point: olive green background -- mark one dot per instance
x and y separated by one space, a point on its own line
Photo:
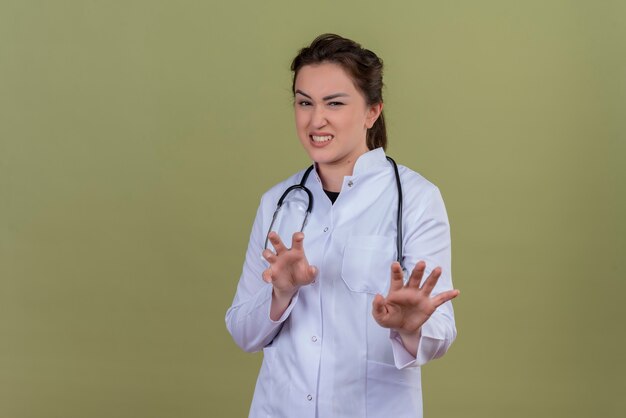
137 136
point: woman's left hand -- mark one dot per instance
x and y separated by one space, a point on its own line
407 307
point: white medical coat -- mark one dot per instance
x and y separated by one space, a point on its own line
326 356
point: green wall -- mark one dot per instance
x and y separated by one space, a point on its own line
137 136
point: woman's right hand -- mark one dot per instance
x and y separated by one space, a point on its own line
288 271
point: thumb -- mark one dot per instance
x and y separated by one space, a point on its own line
378 306
267 275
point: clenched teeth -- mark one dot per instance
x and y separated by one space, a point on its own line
324 138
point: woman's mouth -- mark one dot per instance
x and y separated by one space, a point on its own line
321 138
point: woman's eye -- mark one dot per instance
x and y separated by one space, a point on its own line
304 103
335 104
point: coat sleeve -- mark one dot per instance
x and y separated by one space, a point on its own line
427 238
248 318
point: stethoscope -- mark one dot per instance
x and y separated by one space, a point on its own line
301 186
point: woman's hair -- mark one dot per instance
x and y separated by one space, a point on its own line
362 65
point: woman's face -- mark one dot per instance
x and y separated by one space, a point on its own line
332 116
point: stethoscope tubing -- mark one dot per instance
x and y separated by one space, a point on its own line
309 209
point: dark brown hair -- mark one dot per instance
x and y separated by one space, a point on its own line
363 66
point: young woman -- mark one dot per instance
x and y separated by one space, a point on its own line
343 327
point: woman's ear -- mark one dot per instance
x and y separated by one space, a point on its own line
373 112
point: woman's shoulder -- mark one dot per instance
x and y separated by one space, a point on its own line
420 195
414 182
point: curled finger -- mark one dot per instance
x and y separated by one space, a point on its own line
444 297
397 277
267 275
416 275
378 307
312 272
431 280
297 240
277 242
269 256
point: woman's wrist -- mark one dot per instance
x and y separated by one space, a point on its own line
280 302
282 295
408 334
410 339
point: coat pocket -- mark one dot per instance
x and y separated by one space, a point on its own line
366 263
392 392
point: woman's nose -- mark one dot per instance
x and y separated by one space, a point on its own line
319 117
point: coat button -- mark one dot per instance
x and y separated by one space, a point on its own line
314 338
350 183
309 397
326 229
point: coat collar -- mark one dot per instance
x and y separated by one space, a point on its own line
365 163
369 160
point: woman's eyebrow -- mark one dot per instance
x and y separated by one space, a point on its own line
334 96
330 97
303 93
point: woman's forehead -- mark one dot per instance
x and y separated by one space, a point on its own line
324 79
